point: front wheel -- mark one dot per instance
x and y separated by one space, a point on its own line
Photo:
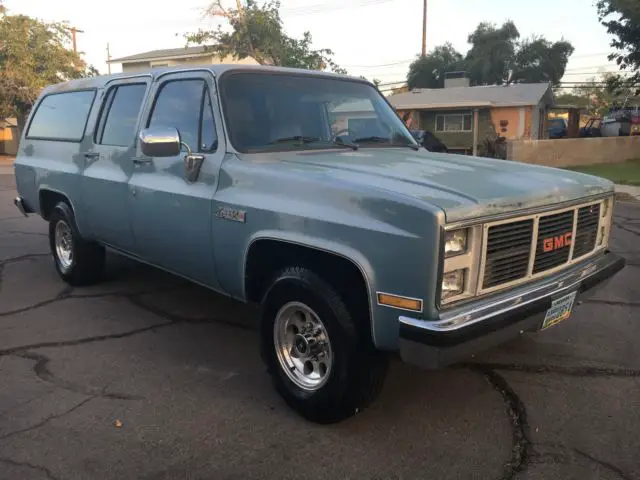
321 361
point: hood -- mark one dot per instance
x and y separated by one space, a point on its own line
462 186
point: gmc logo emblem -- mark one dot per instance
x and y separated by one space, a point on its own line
554 243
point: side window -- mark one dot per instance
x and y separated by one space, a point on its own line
208 135
62 116
178 105
120 111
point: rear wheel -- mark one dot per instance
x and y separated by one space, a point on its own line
320 358
77 261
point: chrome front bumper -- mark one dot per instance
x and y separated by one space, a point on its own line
20 205
481 324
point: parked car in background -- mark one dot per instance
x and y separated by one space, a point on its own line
557 127
355 243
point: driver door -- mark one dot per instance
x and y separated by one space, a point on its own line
171 214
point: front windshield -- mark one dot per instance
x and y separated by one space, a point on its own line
269 112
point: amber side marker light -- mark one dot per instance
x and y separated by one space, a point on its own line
406 303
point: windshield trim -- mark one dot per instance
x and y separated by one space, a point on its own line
222 100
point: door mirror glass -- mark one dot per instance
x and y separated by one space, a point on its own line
160 142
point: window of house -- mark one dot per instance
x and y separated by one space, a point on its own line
454 122
62 116
119 117
186 106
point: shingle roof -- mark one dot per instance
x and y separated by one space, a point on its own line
166 53
490 96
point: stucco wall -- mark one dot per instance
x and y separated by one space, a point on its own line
457 140
515 121
574 151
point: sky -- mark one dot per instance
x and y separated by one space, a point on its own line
374 38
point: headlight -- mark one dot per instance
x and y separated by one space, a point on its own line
455 242
452 283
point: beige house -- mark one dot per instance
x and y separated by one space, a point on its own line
175 56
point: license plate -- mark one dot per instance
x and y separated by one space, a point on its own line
560 310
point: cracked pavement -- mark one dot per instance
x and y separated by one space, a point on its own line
148 376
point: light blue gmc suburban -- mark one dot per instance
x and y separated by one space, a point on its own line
305 193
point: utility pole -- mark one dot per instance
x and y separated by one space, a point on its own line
108 59
424 29
74 30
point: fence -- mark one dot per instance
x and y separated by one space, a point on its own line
569 152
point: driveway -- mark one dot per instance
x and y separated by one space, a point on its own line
148 376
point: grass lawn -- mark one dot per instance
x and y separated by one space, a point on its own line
627 173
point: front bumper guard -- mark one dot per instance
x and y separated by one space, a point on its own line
468 329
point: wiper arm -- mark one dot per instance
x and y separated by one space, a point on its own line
342 143
297 138
376 139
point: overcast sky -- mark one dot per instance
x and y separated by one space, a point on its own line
374 38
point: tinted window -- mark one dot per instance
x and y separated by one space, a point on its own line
62 116
178 105
274 112
121 108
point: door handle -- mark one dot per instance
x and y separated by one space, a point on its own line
91 154
142 160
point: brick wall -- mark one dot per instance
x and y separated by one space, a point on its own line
568 152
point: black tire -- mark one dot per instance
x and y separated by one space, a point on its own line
88 258
358 370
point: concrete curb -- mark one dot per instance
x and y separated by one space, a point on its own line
627 193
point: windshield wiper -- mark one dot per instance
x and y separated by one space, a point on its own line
376 139
297 138
307 139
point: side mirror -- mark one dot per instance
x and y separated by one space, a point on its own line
160 142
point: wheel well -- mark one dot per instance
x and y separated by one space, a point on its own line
266 257
48 200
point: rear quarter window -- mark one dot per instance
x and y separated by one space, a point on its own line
62 116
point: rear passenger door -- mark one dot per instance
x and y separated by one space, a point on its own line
109 163
171 216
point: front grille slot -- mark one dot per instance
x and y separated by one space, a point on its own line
508 252
587 230
553 245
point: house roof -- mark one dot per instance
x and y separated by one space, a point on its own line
167 53
519 94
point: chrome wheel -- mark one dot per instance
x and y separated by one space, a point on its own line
302 345
63 241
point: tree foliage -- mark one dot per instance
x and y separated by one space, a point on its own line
496 56
596 95
428 71
257 32
492 53
33 54
622 21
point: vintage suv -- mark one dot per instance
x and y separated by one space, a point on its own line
305 193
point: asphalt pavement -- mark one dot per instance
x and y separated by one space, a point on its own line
147 376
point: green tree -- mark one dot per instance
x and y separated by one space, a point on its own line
539 60
595 95
497 56
622 20
33 54
428 71
257 32
491 56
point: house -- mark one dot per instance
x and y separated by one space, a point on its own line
463 116
175 56
8 136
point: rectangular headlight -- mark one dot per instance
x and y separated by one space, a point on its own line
455 242
453 283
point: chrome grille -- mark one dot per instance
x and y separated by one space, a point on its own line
512 254
554 241
508 252
587 230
